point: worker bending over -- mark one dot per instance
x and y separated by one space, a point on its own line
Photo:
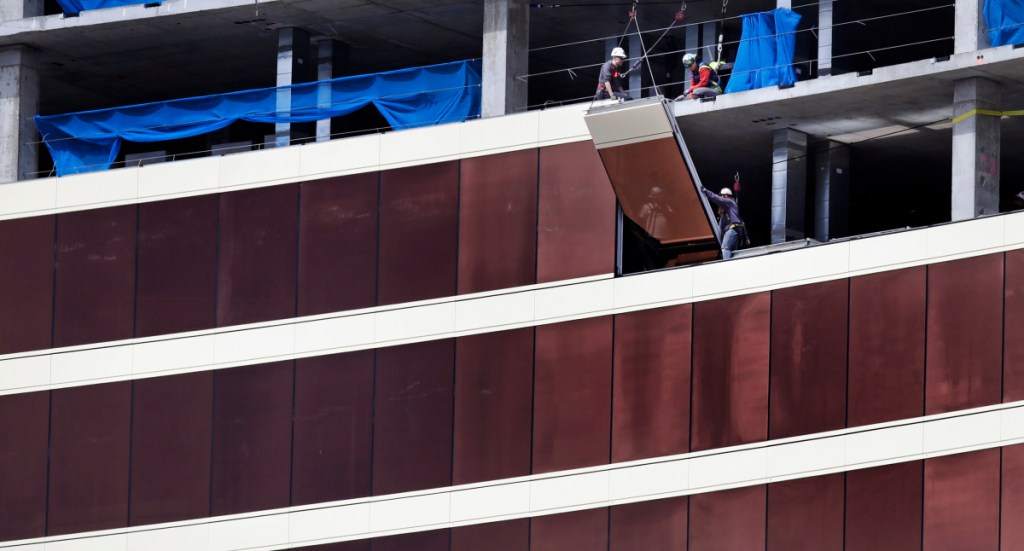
609 83
704 81
734 232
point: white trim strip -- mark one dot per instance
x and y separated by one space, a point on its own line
500 310
594 487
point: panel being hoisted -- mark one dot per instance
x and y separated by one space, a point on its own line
670 222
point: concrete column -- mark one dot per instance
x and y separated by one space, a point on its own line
969 30
789 185
635 87
11 10
825 37
709 42
831 191
295 65
19 102
976 138
332 62
788 4
506 56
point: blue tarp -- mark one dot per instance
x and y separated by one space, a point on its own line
765 56
1005 21
90 140
72 7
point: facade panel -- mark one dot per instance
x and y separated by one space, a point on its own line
806 513
580 531
26 284
659 525
95 276
1012 499
498 221
651 403
884 507
730 371
412 417
728 520
961 501
434 540
1013 339
333 427
338 244
572 395
493 405
24 447
418 232
509 535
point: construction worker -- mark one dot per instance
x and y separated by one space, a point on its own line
609 83
734 232
704 81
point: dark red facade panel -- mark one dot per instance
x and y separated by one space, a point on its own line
651 403
252 436
498 221
433 540
172 423
258 250
26 283
728 520
961 501
806 513
1013 339
659 525
579 531
413 417
965 334
887 344
1012 498
95 287
418 232
177 266
577 214
730 371
333 427
572 395
883 507
24 444
493 405
808 355
89 433
338 244
509 535
354 545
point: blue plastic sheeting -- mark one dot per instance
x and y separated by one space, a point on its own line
1005 21
765 56
90 140
72 7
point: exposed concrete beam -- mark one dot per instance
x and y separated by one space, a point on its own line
19 102
976 141
789 185
506 56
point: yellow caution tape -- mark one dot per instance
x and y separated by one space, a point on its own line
989 112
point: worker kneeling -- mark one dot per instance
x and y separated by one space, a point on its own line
734 232
704 81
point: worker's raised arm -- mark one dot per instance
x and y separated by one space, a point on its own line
715 199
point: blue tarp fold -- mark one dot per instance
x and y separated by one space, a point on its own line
90 140
72 7
765 56
1005 21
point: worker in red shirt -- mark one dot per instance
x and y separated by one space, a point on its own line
704 81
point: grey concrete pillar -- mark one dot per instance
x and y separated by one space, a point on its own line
332 62
506 56
789 185
825 37
709 42
975 185
969 30
295 65
635 88
20 9
19 102
831 191
788 4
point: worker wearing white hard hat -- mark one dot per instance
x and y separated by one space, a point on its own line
734 232
609 83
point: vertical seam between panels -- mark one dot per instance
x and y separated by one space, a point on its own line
536 226
373 418
924 397
1002 340
846 424
49 461
999 503
213 437
376 271
768 420
291 456
53 284
689 435
298 249
135 277
458 226
131 449
533 404
216 262
611 396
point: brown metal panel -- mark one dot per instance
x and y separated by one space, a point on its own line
883 507
730 371
24 435
651 403
580 531
572 395
26 283
412 417
731 520
577 214
177 271
89 433
887 341
493 405
658 525
258 249
434 540
509 535
172 422
419 225
498 221
252 437
333 427
961 501
1013 340
338 244
965 334
1012 499
95 288
806 513
808 351
355 545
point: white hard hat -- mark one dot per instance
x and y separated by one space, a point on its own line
689 59
619 52
725 191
